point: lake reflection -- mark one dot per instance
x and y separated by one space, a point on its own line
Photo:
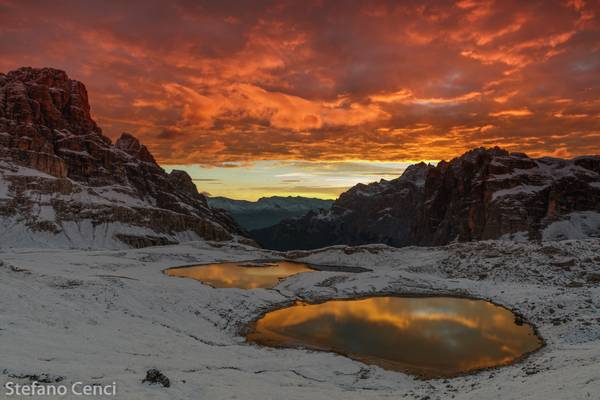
429 337
244 275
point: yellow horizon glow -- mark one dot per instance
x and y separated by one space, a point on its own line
316 179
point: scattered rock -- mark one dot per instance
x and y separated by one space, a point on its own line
564 264
559 321
593 277
67 283
154 376
139 241
574 284
531 371
41 378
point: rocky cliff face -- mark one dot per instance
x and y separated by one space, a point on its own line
483 194
62 183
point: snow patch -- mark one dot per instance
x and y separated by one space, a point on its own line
84 234
46 213
519 237
4 189
94 313
577 225
517 190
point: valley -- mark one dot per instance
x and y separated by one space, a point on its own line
267 211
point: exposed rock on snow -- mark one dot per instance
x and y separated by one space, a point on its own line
483 194
63 184
154 376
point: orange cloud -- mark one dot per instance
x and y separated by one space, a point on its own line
407 96
279 109
219 83
522 112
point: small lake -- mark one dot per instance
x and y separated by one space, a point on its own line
425 336
244 275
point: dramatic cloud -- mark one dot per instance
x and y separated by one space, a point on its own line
221 82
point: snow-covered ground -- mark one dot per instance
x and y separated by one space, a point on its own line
104 316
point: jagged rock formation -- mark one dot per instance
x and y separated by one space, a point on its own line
62 183
483 194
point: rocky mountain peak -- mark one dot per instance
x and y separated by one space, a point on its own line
60 176
416 173
487 152
45 98
183 180
132 146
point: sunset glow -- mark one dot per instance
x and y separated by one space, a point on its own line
310 98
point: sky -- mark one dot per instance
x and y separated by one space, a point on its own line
257 98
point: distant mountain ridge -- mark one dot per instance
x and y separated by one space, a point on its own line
487 193
267 211
64 184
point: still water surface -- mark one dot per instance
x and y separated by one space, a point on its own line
426 336
244 275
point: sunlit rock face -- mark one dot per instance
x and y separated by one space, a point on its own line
428 337
483 194
62 183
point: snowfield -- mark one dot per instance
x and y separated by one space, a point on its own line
104 316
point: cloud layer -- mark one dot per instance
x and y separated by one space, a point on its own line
236 81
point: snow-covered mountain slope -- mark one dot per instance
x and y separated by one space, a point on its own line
483 194
267 211
109 316
63 184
